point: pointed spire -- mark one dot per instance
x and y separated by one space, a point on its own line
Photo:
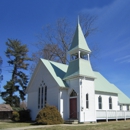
79 41
79 66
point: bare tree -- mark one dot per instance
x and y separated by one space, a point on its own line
54 43
87 23
23 105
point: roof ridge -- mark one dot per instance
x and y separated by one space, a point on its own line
53 61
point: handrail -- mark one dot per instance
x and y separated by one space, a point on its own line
112 114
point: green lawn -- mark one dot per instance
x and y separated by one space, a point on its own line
113 125
10 124
120 125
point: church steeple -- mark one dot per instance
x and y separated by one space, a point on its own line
79 44
79 52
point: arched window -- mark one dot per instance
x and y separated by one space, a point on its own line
73 94
110 103
100 102
42 98
128 107
45 98
38 97
87 101
121 107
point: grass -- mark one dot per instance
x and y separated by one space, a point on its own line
112 125
11 124
120 125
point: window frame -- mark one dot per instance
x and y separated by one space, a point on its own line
121 107
45 98
42 96
73 93
87 101
128 107
39 97
100 102
110 102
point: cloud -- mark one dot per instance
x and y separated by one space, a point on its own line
109 10
113 21
124 59
116 50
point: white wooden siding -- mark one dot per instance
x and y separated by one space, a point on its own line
52 96
89 114
41 77
105 101
64 104
74 85
32 104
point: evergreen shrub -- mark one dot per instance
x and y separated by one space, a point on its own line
49 115
15 116
24 115
21 115
17 109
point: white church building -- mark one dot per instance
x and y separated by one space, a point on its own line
76 90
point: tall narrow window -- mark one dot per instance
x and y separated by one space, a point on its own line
87 101
128 107
39 98
45 99
42 98
100 102
120 107
110 103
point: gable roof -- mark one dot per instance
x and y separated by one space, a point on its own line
5 107
103 85
58 71
123 99
79 42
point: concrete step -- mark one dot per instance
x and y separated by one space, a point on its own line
71 121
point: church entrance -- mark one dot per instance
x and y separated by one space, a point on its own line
73 108
73 105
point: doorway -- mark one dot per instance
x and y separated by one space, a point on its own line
73 108
73 105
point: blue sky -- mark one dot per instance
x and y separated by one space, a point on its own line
23 19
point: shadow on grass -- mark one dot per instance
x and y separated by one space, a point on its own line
17 122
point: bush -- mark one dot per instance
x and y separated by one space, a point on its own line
49 116
15 116
17 109
22 115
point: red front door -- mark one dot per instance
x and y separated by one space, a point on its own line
73 108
